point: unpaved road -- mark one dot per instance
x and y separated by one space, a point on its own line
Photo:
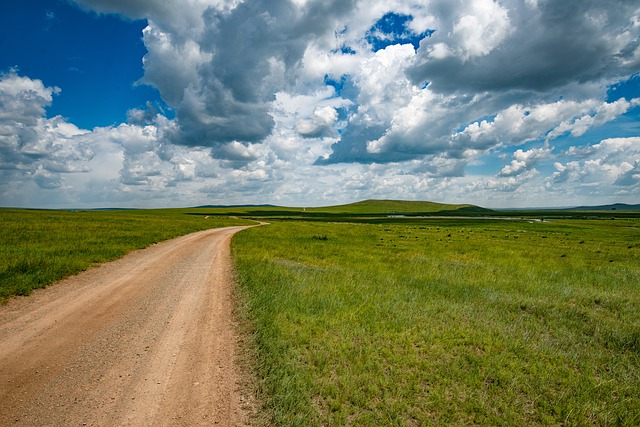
147 340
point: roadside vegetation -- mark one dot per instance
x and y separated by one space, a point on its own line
445 321
38 247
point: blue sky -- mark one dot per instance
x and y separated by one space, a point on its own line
89 56
150 103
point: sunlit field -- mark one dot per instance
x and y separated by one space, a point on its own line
351 318
38 247
444 321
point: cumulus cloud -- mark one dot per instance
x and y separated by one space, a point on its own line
368 96
518 124
613 164
123 163
222 75
24 100
507 183
320 124
598 116
531 46
524 161
32 146
382 90
491 75
223 70
479 29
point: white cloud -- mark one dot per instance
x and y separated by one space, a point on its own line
537 46
598 116
286 100
509 183
33 147
524 161
108 165
171 63
383 87
222 72
320 124
613 163
22 99
519 124
480 29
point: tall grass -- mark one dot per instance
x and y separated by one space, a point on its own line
445 322
38 247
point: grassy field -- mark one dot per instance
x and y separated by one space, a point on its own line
398 321
445 321
38 247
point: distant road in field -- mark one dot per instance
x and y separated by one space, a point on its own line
143 341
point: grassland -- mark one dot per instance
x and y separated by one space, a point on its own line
38 247
445 321
356 318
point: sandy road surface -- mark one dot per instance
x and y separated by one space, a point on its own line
147 340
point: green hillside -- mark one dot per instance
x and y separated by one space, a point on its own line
400 207
365 208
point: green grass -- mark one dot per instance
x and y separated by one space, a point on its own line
398 321
445 322
38 247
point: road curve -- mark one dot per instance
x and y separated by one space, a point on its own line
147 340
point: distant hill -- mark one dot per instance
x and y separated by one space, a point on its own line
614 207
399 207
233 206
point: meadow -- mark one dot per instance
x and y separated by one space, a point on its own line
38 247
444 321
352 317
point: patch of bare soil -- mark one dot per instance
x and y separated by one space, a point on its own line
148 340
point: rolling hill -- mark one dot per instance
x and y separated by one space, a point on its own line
398 207
612 207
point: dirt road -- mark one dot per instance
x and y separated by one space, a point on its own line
147 340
